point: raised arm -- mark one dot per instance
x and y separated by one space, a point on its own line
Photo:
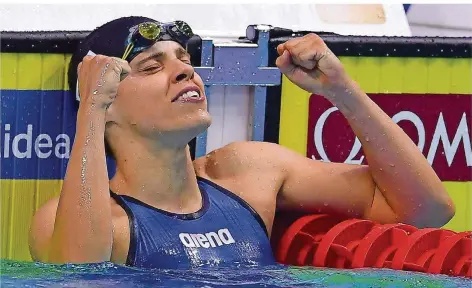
80 229
398 185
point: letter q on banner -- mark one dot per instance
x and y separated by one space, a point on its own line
440 132
318 136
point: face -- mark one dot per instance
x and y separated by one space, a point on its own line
162 97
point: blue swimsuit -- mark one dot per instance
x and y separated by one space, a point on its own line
225 231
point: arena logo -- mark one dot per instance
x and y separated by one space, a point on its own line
461 135
207 240
23 145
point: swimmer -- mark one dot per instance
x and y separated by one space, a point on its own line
141 102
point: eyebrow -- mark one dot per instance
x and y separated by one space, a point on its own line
180 52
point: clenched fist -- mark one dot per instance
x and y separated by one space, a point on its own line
309 64
99 77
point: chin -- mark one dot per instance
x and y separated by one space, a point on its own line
205 117
197 127
204 121
184 132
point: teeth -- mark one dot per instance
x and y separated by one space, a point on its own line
190 94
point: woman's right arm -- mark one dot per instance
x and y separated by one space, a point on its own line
82 223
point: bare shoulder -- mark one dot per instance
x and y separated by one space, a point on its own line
251 170
42 228
239 158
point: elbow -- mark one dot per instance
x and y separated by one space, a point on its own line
443 211
440 209
435 217
441 220
449 212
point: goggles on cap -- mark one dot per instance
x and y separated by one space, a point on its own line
144 35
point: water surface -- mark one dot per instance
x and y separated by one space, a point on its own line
27 274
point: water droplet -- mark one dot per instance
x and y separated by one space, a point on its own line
367 139
392 165
325 204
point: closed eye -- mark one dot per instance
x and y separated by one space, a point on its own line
151 68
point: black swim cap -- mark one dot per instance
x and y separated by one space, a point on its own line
108 39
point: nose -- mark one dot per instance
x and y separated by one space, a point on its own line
183 72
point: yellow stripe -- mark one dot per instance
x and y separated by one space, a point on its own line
439 75
8 70
415 78
410 75
368 73
351 65
461 75
20 199
293 117
5 221
390 69
461 194
30 71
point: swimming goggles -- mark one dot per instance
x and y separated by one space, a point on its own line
146 34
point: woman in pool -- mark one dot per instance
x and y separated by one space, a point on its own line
161 209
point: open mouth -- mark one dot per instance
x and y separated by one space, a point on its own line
189 94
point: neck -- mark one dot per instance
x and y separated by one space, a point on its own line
163 177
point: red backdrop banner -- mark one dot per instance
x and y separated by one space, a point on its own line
439 124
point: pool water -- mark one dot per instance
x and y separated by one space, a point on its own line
27 274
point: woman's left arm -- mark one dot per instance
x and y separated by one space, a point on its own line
397 167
